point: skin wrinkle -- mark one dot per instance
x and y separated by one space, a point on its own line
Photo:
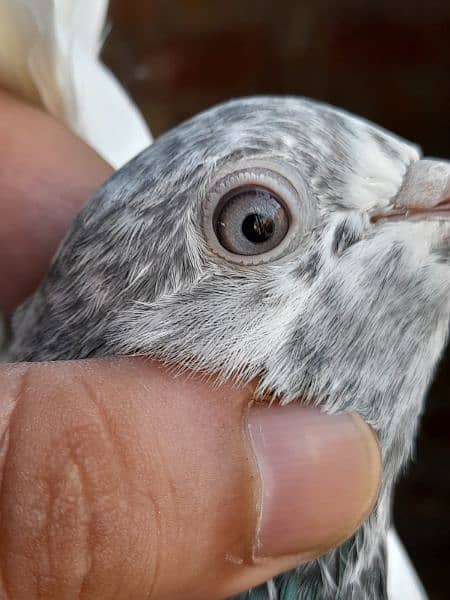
19 384
255 487
4 452
170 495
124 476
45 537
91 396
69 449
155 515
85 555
164 467
156 548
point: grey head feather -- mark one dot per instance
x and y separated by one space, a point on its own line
352 315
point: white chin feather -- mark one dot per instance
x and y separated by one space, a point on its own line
49 56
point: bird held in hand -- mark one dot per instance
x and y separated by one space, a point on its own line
277 239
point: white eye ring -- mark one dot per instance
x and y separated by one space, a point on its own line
283 183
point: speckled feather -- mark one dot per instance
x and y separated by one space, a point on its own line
353 316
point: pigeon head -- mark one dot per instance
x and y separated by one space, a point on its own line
272 238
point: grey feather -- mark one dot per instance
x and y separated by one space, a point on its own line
352 315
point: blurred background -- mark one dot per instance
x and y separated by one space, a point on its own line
386 60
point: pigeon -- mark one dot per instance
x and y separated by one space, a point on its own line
275 239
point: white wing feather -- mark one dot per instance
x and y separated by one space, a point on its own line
403 582
49 56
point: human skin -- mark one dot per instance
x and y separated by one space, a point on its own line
119 479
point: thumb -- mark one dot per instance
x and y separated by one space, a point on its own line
120 480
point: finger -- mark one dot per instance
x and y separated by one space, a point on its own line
119 481
46 174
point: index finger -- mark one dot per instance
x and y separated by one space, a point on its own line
46 175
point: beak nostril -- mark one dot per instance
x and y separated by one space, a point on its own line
395 213
436 211
444 203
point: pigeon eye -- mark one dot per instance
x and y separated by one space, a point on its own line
250 221
256 214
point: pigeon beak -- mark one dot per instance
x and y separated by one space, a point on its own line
424 195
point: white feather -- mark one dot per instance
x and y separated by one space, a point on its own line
49 56
403 583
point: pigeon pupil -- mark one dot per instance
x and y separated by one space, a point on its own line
258 227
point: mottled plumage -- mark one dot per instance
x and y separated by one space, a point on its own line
352 314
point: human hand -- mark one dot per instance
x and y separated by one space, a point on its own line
119 479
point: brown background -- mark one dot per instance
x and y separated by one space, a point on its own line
388 60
